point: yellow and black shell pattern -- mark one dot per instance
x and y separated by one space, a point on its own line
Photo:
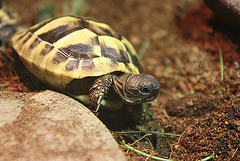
6 16
61 49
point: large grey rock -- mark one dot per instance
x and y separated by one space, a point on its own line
52 126
228 11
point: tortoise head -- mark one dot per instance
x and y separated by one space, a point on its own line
136 88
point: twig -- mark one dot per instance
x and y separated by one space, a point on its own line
150 132
234 152
142 138
209 157
142 153
179 139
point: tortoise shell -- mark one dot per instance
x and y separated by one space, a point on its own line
61 49
7 17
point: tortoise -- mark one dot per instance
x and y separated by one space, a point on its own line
87 60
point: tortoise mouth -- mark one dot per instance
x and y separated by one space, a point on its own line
135 100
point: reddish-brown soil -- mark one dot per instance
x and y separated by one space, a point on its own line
184 56
200 27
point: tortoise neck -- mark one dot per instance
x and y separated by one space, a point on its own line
119 85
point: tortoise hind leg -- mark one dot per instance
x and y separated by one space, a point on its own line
99 90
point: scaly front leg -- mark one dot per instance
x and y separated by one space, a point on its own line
99 90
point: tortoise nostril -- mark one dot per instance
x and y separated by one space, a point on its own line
157 88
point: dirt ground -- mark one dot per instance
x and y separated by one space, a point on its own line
183 54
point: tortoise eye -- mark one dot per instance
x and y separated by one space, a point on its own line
145 90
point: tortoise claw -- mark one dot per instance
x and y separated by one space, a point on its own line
98 104
95 99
